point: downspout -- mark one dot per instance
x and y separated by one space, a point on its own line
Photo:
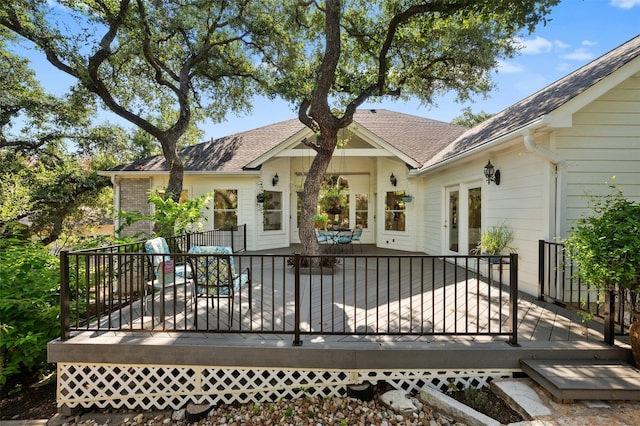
558 162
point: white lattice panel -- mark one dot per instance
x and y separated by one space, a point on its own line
162 387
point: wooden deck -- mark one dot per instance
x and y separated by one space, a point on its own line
392 313
391 328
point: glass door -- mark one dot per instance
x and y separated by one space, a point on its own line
452 229
463 218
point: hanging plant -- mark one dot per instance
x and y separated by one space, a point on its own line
332 200
261 197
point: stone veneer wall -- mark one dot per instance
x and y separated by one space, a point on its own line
134 197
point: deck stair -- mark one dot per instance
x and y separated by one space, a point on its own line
568 380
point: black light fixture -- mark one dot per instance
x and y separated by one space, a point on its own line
491 174
275 180
393 180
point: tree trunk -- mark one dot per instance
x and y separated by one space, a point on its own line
176 167
327 141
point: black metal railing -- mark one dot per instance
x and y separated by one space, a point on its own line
99 281
118 289
558 282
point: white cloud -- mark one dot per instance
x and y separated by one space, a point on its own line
579 55
536 46
509 68
625 4
561 45
588 43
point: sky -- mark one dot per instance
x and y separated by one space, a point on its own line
579 31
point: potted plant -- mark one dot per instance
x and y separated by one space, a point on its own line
332 200
606 248
495 241
321 220
261 197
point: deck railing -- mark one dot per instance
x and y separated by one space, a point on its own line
558 282
358 295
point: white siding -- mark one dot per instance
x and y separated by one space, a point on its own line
603 142
521 200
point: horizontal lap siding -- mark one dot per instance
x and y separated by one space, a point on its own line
603 142
521 200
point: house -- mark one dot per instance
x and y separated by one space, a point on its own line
416 184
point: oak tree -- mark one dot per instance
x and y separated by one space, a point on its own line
328 57
143 57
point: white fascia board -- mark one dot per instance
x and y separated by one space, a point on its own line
532 125
295 139
594 92
306 153
164 172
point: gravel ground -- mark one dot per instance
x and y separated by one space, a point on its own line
310 411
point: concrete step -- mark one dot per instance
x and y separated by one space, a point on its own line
539 408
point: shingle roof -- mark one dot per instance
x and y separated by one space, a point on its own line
226 154
542 102
417 137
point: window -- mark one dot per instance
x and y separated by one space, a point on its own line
394 215
272 214
362 211
225 208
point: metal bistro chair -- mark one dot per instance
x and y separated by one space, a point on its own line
325 238
343 238
356 237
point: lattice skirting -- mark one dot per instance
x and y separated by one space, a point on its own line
173 387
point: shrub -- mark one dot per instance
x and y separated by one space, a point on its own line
29 306
606 245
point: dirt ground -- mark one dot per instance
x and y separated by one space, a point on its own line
24 400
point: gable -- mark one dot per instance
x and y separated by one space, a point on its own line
541 105
412 139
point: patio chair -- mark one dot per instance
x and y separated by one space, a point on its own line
159 251
215 274
356 237
165 283
343 238
325 238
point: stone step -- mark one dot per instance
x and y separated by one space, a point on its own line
568 380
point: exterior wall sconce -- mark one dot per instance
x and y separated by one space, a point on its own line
393 180
275 179
490 174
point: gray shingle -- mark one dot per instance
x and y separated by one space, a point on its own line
542 102
417 137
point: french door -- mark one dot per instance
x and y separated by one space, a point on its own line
463 218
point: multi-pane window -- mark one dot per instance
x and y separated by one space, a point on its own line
225 208
362 211
394 211
272 211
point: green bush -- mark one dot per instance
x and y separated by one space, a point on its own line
29 306
606 244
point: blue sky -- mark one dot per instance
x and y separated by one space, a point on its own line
579 31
